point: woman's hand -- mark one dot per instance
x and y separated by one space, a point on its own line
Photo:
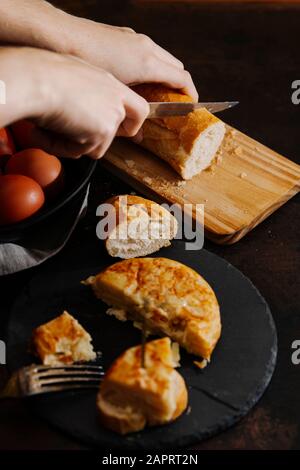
78 108
130 57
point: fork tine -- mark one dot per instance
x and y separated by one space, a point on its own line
38 379
68 367
68 380
71 373
64 388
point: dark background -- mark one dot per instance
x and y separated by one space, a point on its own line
248 52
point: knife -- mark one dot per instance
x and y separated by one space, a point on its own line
161 110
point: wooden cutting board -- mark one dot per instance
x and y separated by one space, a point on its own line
245 185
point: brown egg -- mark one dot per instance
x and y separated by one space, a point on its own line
20 197
44 168
7 147
22 132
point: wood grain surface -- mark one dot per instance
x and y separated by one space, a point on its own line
246 184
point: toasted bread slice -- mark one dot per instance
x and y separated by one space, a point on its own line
132 397
188 143
139 227
62 341
170 297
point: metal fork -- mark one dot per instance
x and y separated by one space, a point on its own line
36 380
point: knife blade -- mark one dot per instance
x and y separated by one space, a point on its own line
164 109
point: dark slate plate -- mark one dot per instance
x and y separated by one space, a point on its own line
241 368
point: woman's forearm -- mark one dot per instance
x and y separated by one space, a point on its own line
24 90
130 57
77 108
35 23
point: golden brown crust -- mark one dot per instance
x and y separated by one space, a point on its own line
131 397
172 298
182 398
46 339
173 138
126 369
186 127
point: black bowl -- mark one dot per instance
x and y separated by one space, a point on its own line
77 177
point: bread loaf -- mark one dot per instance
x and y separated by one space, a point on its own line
188 143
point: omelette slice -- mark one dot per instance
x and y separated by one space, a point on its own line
171 298
132 397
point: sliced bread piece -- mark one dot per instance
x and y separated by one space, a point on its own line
139 227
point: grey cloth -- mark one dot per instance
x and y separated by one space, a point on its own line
46 242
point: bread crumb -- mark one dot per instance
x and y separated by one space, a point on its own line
219 158
148 180
189 409
211 169
201 364
231 133
130 163
243 175
239 151
181 183
119 313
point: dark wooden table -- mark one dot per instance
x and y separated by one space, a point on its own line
244 52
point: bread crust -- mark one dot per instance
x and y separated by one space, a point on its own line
173 138
121 212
